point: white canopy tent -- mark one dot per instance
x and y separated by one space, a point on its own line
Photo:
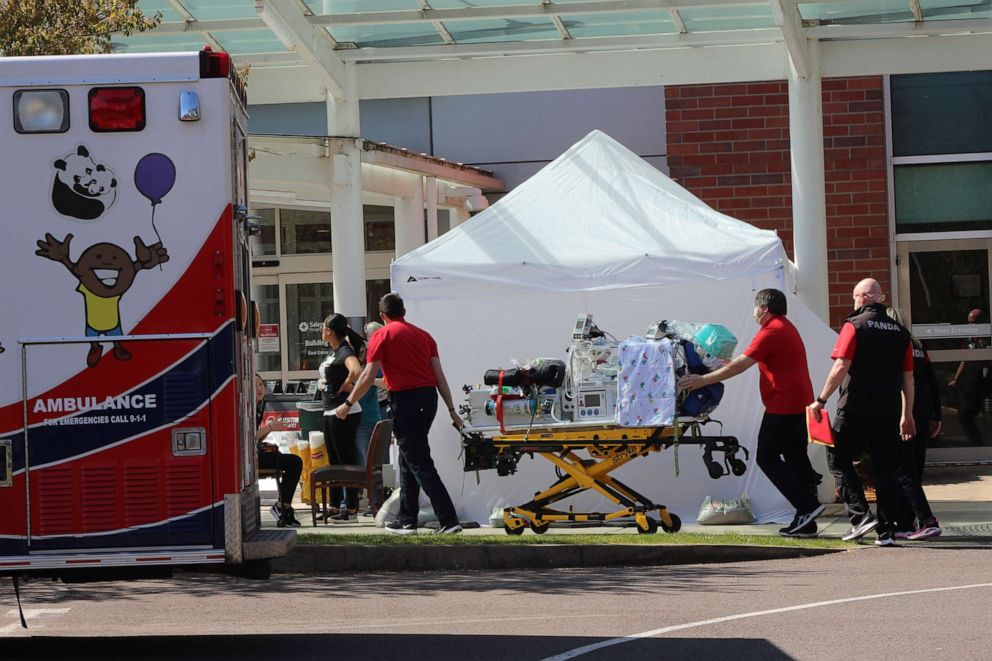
601 231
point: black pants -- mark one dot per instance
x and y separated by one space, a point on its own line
783 458
913 456
291 468
342 449
413 414
880 435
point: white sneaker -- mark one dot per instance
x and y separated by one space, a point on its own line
868 523
885 539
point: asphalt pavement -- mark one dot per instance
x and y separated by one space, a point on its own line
910 603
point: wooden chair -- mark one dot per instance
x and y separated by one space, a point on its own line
358 476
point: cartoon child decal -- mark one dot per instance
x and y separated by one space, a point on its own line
105 273
82 188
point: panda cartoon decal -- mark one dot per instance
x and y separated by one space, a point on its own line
82 188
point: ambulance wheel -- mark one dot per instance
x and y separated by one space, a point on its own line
519 530
738 467
539 528
676 524
651 529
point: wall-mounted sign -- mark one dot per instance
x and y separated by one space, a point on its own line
268 338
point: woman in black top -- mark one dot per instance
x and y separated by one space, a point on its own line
338 374
269 457
927 416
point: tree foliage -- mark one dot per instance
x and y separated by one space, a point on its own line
67 27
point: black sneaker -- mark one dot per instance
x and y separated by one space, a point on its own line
397 528
806 531
792 524
449 530
803 519
288 518
340 517
866 525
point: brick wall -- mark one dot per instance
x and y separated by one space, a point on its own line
729 145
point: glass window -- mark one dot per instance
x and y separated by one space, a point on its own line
944 196
374 290
247 42
264 243
380 230
307 305
730 17
304 232
581 26
945 113
388 35
856 11
945 286
517 29
269 356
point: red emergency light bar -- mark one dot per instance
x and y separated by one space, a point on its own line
214 65
117 109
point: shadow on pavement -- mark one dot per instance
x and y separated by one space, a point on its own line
381 647
657 581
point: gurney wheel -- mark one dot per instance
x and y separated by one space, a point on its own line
519 530
651 529
539 528
738 467
676 524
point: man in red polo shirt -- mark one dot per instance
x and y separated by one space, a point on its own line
785 390
410 365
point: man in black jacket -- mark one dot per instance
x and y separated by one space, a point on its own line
873 366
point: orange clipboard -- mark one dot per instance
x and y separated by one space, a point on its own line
819 432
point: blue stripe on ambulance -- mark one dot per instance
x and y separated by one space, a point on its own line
179 392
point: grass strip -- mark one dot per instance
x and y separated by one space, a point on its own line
386 539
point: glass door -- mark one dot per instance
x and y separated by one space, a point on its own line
307 299
944 291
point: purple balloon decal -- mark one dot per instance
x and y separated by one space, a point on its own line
154 176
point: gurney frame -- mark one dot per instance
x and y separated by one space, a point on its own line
609 448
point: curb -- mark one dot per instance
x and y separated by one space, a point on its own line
326 559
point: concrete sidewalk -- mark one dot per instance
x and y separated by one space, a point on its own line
961 498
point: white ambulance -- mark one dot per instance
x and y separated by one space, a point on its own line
127 437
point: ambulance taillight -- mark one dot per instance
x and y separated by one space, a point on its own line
117 109
214 65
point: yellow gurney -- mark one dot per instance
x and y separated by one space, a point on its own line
608 448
